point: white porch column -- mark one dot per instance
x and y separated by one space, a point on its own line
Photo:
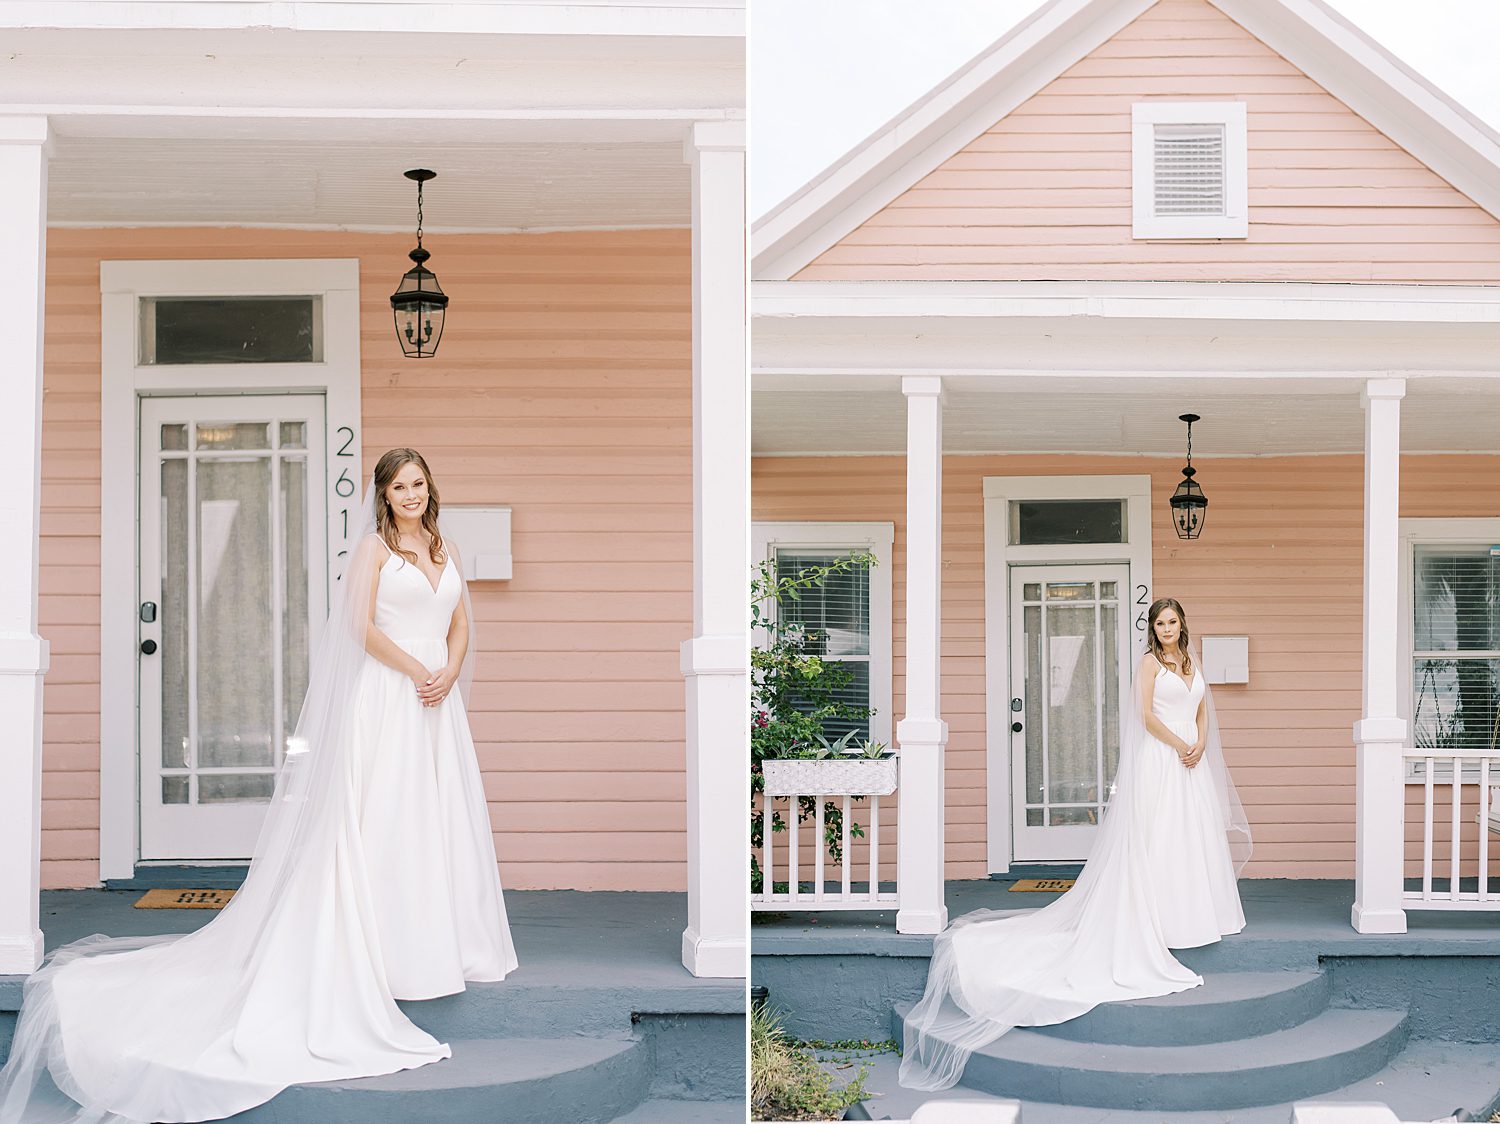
1380 733
715 661
922 734
23 654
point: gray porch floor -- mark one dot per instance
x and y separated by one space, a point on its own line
1308 915
567 938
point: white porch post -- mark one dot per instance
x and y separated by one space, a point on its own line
715 661
922 734
23 654
1380 733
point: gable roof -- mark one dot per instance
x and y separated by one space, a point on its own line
1307 33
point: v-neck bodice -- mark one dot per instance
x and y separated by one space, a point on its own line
409 607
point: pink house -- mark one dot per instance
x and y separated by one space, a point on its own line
973 337
204 365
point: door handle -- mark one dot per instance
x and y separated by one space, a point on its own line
148 647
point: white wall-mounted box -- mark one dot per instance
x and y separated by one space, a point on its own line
482 536
1226 659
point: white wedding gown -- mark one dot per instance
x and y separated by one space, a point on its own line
1160 876
390 891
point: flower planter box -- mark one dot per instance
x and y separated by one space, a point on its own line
831 776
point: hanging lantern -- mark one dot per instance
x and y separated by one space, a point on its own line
419 302
1189 504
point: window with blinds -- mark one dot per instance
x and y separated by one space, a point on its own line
1189 170
1456 648
836 617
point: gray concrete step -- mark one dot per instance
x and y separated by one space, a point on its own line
1331 1050
543 1010
1425 1081
1229 1005
657 1111
538 1080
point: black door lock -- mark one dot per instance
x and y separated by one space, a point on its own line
148 647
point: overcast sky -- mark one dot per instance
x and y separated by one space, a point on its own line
825 73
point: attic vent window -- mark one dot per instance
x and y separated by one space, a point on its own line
1189 170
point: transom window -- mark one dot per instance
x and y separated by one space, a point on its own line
187 330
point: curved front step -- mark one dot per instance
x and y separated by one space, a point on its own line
1336 1048
1229 1005
587 1080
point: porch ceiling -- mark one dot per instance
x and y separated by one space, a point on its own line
1243 416
297 128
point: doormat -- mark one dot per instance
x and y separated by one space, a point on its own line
1042 885
184 899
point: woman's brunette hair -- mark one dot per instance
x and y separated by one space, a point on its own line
390 463
1153 645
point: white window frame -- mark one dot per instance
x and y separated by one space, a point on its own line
877 539
124 381
1145 222
1430 532
999 556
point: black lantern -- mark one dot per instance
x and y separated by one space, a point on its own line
419 302
1189 504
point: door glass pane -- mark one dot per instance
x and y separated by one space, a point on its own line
1070 591
1109 640
234 685
1031 591
174 438
1107 590
1072 705
174 790
234 435
235 788
1036 786
294 435
294 622
172 612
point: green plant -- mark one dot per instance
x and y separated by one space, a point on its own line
786 1081
794 696
872 750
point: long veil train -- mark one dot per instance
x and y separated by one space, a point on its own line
995 970
285 986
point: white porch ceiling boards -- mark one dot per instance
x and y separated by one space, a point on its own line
1129 415
300 183
537 115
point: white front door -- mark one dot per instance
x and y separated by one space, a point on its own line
233 584
1070 653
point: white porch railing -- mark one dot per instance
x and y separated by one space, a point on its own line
844 891
1463 770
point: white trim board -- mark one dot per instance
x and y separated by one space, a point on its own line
1327 48
878 539
124 382
999 555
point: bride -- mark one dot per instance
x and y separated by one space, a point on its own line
1162 875
374 878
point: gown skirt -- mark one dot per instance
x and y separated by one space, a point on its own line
1160 877
401 899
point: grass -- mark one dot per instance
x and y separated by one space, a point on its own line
786 1081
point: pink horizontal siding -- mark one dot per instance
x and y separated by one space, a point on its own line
1280 561
562 388
1045 193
